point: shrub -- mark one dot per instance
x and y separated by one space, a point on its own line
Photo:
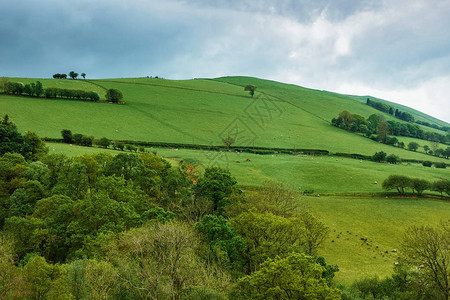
440 165
379 156
427 163
114 95
393 159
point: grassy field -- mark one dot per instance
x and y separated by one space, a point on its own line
381 220
323 174
202 111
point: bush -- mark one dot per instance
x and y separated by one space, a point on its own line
393 159
427 163
379 156
114 95
440 165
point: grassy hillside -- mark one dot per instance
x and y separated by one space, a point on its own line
201 111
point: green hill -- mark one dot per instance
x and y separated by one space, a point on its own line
202 111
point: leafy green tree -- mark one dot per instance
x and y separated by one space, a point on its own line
114 95
102 278
393 159
401 145
251 88
420 185
379 156
413 146
38 147
427 163
73 75
39 90
217 184
40 275
104 142
12 285
296 276
221 236
314 233
426 248
83 75
398 182
441 186
11 140
267 235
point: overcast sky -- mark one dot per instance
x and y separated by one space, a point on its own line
398 50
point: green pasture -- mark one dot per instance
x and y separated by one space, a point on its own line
382 221
201 111
322 174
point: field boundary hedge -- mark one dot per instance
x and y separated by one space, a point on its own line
249 149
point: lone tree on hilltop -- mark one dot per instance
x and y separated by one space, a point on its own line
83 75
73 75
251 88
114 95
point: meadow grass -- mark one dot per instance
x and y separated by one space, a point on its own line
380 220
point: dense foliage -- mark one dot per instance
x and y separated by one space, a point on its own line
379 129
132 226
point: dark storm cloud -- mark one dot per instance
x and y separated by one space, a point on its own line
395 49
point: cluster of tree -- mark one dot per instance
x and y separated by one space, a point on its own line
443 128
72 75
37 90
375 127
422 272
88 141
77 138
402 182
18 88
71 94
132 226
60 76
402 115
29 145
383 157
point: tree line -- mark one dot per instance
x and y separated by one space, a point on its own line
72 75
37 90
402 115
377 128
417 185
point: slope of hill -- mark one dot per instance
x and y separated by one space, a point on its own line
202 111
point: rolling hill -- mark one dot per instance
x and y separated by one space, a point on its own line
204 111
